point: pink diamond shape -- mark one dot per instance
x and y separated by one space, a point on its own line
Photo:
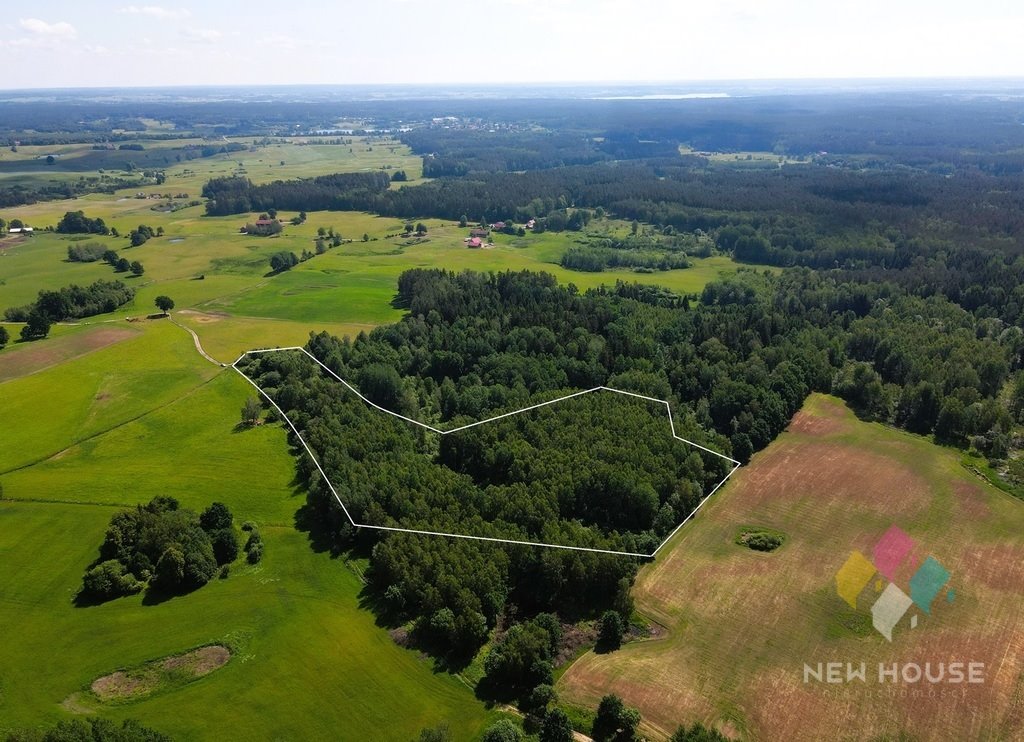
891 550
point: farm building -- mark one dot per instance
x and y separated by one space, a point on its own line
474 242
20 230
480 233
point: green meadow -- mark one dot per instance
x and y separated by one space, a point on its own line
108 413
307 662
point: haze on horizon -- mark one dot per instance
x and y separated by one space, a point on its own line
57 43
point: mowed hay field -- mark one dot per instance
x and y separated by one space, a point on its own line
739 625
147 416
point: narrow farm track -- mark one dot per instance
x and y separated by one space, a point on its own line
198 343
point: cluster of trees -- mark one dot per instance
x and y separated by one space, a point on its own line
265 226
163 546
76 222
88 252
117 262
70 302
283 260
339 192
143 233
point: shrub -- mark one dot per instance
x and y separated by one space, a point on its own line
254 554
109 580
759 540
90 252
503 730
225 545
764 542
697 733
254 547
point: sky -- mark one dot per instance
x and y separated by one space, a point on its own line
62 43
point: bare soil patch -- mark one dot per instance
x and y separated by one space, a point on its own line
139 682
199 662
29 358
120 685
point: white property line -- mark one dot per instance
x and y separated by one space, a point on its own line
316 462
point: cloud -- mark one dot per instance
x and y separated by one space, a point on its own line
156 11
58 30
202 35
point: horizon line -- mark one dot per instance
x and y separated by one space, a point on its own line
536 83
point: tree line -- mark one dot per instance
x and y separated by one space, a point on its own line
70 302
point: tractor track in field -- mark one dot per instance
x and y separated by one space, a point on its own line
98 433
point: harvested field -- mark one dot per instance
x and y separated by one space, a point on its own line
742 624
29 358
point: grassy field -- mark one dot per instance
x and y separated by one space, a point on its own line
206 265
308 663
739 625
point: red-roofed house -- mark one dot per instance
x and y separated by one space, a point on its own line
474 242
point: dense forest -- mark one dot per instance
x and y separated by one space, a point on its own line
340 192
734 365
909 222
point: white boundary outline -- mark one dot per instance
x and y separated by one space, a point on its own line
316 462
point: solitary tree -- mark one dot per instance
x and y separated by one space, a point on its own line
4 337
164 303
137 269
251 411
